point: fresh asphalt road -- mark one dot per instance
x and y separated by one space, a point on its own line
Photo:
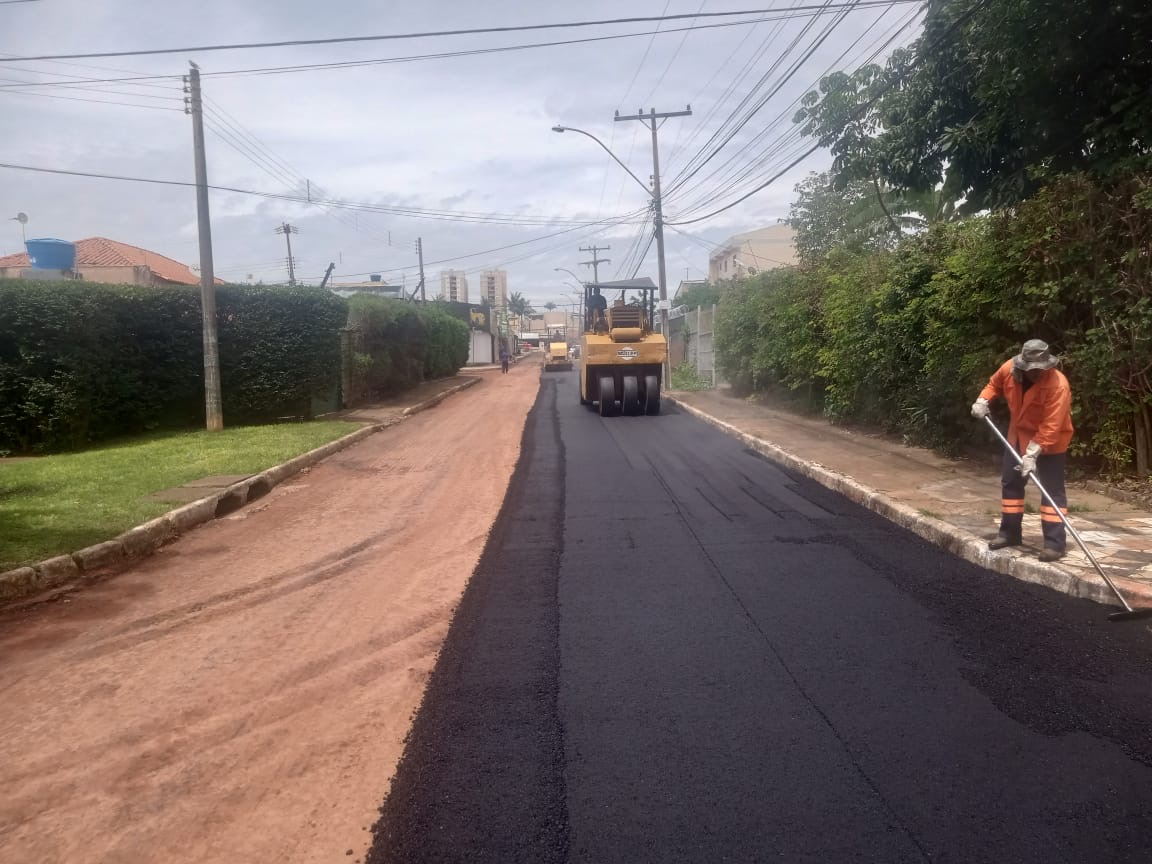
673 650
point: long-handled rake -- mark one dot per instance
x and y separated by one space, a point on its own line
1128 614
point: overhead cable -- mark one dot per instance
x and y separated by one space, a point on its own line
471 31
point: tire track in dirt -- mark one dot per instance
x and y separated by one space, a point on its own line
244 694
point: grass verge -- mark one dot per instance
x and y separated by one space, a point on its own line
52 505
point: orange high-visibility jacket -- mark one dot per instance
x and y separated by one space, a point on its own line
1043 414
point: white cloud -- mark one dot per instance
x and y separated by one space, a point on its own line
470 133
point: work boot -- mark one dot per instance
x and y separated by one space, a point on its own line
1051 554
1003 540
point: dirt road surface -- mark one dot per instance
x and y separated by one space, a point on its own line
243 696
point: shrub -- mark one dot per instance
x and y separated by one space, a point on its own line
81 362
397 345
906 338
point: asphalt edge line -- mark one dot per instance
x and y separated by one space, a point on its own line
957 541
69 571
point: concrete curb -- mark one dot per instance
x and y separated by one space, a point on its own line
959 542
104 559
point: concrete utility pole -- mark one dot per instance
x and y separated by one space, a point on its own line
288 230
420 255
194 105
327 274
595 262
650 120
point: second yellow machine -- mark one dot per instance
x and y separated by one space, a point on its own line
622 357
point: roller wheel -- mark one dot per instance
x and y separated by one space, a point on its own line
630 401
607 396
651 394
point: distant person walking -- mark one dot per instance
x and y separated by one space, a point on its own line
1040 401
503 358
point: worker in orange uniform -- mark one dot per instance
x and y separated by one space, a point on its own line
1040 402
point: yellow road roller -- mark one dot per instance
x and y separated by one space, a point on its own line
556 357
622 357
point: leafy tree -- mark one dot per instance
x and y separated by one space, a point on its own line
519 306
994 99
826 218
700 295
549 305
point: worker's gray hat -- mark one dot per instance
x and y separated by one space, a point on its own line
1035 354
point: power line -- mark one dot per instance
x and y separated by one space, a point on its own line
516 28
735 174
493 218
91 101
741 75
747 98
776 151
352 64
958 23
606 223
779 85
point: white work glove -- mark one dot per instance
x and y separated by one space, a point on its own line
980 409
1028 463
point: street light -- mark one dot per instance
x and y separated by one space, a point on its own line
643 185
657 205
570 273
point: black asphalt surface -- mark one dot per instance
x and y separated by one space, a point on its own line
673 650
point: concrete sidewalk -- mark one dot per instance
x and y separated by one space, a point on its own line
952 503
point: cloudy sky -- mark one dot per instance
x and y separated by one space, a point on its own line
468 137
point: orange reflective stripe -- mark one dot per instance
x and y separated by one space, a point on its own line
1012 510
1044 508
1049 517
1019 501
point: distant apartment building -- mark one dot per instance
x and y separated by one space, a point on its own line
454 286
494 287
753 252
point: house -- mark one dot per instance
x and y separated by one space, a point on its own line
753 252
99 259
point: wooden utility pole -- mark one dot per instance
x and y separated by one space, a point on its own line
595 262
650 120
194 105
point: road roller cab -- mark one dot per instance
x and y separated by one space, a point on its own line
622 358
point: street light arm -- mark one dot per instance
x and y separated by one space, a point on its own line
570 273
603 146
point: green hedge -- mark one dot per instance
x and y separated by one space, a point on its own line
905 339
81 362
395 345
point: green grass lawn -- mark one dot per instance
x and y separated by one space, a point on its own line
52 505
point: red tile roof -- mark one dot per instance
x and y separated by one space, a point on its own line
102 252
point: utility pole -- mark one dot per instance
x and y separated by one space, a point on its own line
327 274
288 230
595 262
420 255
650 120
194 105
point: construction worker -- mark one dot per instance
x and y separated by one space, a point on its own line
597 305
1040 402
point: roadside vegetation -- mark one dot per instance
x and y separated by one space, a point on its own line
979 196
52 505
685 377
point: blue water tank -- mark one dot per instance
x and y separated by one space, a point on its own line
48 254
